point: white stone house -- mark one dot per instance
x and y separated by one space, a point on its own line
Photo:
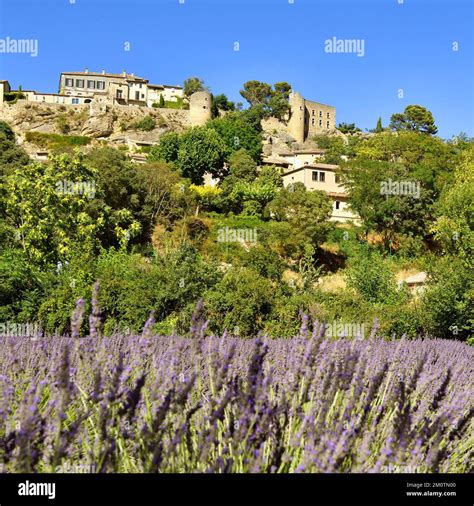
324 177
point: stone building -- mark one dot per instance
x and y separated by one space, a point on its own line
4 88
169 93
56 98
308 118
323 177
121 89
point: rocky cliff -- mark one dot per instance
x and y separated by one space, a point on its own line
116 125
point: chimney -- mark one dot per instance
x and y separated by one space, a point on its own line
132 74
103 71
86 70
124 73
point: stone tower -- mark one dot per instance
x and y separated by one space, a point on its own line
200 107
296 123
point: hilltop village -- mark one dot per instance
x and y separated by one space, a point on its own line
262 211
101 96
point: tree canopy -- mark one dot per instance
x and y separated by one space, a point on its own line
416 118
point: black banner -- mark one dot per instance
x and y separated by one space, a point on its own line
237 490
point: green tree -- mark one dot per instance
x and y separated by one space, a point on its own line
270 175
278 106
282 88
307 212
256 93
162 101
416 118
348 128
168 197
11 155
446 304
240 303
122 191
265 261
267 101
6 131
201 150
193 85
48 218
427 162
167 149
379 127
221 103
454 226
372 278
242 167
239 130
21 286
386 213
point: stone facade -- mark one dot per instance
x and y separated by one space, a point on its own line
121 89
4 88
323 177
308 118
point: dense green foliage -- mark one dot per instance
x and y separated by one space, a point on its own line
414 117
258 255
268 101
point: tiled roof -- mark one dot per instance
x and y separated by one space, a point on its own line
310 151
129 77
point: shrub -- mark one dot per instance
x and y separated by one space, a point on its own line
56 141
146 124
240 302
370 275
62 124
446 304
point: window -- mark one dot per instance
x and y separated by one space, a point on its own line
91 85
137 95
140 85
314 176
320 114
320 122
337 204
143 95
75 101
79 83
101 85
327 115
313 112
70 82
119 94
322 177
327 124
312 122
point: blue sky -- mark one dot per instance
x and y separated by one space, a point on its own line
408 46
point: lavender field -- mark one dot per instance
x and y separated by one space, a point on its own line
151 403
